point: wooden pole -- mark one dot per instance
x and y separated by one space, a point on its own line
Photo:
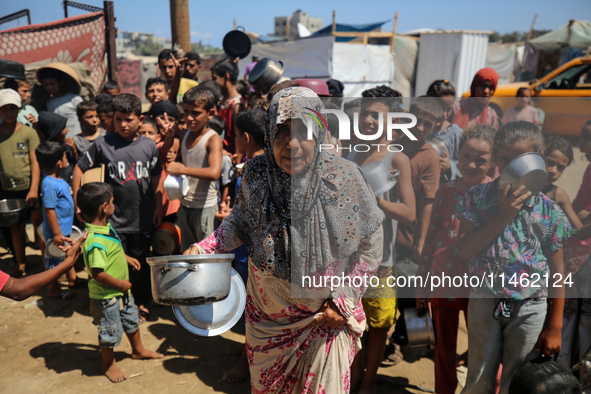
65 9
234 28
531 29
334 22
111 34
394 32
287 26
179 24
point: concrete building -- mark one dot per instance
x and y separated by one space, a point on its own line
282 22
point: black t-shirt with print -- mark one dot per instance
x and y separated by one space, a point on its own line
129 169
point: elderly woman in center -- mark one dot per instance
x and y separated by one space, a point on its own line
301 212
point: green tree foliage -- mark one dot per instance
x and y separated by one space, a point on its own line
515 36
204 49
146 48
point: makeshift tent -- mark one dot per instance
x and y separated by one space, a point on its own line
344 27
358 66
501 58
576 34
455 55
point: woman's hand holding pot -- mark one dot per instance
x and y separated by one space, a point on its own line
192 250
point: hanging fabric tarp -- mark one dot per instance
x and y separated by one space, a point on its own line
79 39
576 34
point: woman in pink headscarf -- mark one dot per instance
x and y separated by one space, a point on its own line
475 110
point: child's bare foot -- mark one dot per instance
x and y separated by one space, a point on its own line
239 371
146 355
113 372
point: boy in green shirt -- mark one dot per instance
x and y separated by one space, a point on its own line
111 302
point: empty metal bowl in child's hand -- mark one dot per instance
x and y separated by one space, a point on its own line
528 170
378 174
439 145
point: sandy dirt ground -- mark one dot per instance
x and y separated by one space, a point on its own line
49 345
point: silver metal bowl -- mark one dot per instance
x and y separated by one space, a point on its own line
419 327
217 317
528 170
190 280
13 212
438 145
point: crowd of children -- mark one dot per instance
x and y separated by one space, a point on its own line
447 212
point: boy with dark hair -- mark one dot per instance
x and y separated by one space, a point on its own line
199 158
90 125
19 171
58 207
156 90
112 88
105 113
225 74
216 123
133 170
192 66
250 141
398 205
28 114
111 303
424 162
172 70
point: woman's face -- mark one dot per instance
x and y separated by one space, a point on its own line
484 92
292 150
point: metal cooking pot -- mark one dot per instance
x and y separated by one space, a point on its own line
419 327
166 239
265 74
236 43
190 280
528 169
12 69
13 212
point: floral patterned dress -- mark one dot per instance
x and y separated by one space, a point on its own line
285 352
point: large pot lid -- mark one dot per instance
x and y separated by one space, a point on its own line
215 318
236 44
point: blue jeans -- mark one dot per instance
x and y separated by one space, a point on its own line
507 340
114 316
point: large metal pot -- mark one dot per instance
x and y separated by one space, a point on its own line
13 212
190 280
265 74
419 327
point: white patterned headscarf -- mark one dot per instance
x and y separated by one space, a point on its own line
302 224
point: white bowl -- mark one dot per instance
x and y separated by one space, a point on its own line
176 187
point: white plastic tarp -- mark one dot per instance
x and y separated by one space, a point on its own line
304 58
406 50
501 58
357 66
578 37
360 67
455 56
